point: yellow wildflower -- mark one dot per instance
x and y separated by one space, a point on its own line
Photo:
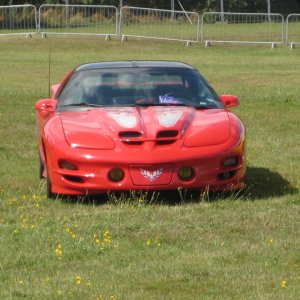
157 243
21 282
78 280
71 233
107 240
106 237
58 251
283 283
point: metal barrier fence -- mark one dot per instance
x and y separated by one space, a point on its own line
293 30
148 23
78 19
159 24
242 28
18 19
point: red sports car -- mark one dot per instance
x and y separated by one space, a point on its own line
138 125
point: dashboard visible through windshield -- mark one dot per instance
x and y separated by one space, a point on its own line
138 86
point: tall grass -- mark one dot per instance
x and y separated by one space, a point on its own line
161 246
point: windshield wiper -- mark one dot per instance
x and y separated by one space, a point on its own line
204 106
147 104
194 105
82 104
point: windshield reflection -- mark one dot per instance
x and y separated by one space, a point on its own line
138 86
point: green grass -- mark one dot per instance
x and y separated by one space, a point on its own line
89 29
294 32
167 31
211 247
247 32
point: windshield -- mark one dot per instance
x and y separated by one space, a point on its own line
138 86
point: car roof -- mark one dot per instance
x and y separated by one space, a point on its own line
132 64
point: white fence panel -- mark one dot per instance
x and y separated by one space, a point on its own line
293 29
242 28
18 19
78 19
159 24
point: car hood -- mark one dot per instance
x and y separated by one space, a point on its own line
102 128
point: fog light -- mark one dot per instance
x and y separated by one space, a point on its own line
186 173
226 175
67 165
230 161
116 174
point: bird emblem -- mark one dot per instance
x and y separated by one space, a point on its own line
151 176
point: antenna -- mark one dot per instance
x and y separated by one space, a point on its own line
49 72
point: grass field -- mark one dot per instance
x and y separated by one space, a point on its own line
243 246
260 32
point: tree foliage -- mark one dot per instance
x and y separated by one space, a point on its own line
277 6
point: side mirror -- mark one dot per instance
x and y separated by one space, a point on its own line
230 100
46 105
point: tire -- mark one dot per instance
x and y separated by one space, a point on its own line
41 168
49 188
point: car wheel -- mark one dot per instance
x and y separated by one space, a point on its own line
41 168
49 188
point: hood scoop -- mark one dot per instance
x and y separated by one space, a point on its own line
166 137
163 137
158 126
129 134
131 137
167 134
